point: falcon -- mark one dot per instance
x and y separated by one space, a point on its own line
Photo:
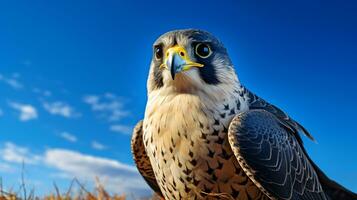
206 136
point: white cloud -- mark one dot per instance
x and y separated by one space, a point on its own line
16 154
98 146
121 129
12 82
61 109
45 93
108 106
6 168
68 136
113 173
27 111
116 176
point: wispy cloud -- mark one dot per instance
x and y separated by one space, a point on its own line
6 168
98 146
68 136
61 109
71 164
16 154
108 106
121 129
27 111
12 82
113 173
45 93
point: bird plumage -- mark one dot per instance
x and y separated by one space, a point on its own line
188 147
272 157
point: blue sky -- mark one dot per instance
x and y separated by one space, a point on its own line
73 79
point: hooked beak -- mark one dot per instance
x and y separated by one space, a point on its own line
177 60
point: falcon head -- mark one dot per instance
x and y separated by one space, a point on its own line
188 61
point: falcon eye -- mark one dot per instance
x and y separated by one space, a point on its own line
158 52
203 50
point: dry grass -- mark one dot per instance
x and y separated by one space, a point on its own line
99 193
75 191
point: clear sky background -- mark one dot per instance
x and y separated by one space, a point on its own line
73 80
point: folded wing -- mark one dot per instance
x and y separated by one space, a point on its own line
141 159
272 157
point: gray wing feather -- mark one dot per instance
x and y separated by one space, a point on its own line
272 157
141 159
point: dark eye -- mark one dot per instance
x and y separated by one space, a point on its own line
203 50
158 52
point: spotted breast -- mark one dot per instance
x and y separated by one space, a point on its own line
186 141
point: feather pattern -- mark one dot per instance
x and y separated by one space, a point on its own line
141 159
272 157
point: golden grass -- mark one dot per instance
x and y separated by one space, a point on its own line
99 193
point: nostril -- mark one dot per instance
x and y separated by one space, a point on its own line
182 53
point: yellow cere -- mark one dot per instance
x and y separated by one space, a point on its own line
183 54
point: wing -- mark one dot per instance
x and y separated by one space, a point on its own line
271 156
330 187
141 159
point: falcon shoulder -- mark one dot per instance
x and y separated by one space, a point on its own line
141 159
272 157
256 102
